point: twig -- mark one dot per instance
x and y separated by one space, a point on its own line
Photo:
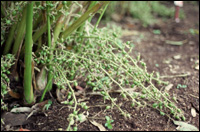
194 96
172 76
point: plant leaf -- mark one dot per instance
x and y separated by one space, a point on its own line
185 126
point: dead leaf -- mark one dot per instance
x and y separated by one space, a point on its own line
193 112
182 126
14 94
69 47
61 94
21 109
33 76
168 87
100 126
79 88
41 79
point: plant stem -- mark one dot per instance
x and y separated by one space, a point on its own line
91 5
49 79
10 39
52 45
101 16
43 29
57 31
28 89
82 19
2 11
20 33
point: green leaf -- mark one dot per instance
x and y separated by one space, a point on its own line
108 125
185 126
157 31
107 118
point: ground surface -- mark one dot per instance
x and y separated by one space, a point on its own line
169 60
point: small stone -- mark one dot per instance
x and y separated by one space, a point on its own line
168 87
196 67
176 57
14 119
193 112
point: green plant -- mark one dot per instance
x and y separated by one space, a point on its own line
108 122
181 86
46 107
6 62
73 51
104 65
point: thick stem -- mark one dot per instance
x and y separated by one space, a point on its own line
28 89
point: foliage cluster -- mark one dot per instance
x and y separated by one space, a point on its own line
65 49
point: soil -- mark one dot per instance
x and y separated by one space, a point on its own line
167 59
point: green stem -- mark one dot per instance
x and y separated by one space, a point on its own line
91 5
82 19
2 10
89 20
101 16
28 89
43 29
46 88
50 76
49 81
20 33
57 31
36 23
10 39
38 46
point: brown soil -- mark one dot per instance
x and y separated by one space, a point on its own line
159 57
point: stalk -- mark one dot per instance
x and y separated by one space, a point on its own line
20 33
91 5
49 84
2 10
10 39
101 16
43 29
37 22
28 89
83 18
57 31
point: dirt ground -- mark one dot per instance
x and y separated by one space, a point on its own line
167 59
